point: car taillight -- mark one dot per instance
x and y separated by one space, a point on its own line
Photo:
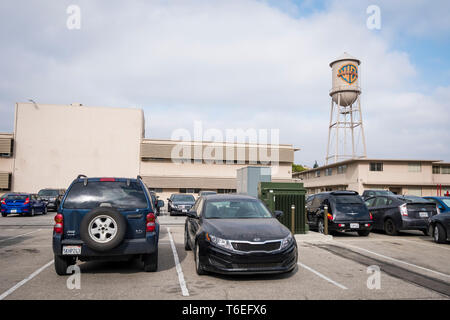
27 201
151 225
59 223
3 201
403 210
330 217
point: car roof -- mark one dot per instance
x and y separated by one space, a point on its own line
436 197
99 178
228 196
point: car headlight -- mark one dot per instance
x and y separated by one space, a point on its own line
219 241
287 241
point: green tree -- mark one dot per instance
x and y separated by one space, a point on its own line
297 168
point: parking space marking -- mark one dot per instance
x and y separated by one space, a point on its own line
21 283
183 287
397 260
20 235
322 276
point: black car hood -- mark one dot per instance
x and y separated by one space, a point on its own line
246 229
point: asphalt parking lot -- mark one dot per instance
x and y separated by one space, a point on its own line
411 267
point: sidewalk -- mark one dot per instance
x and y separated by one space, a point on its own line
312 236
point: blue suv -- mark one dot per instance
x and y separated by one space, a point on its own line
105 219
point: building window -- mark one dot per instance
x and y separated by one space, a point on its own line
342 169
445 169
376 166
226 190
328 171
414 167
436 169
317 173
189 190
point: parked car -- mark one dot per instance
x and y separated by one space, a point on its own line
234 234
52 197
395 213
103 219
157 204
346 212
439 224
206 192
180 203
376 192
22 204
443 203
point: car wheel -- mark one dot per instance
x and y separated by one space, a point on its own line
390 228
187 246
103 228
320 226
198 265
440 235
363 233
33 212
4 214
45 211
151 261
62 263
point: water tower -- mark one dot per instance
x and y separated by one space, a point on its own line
346 132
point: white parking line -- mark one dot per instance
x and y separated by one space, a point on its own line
21 235
322 276
21 283
397 260
184 289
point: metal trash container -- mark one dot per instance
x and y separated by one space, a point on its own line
283 196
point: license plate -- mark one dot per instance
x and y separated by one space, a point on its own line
354 225
423 214
71 250
184 210
13 211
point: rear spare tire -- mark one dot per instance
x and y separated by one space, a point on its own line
103 228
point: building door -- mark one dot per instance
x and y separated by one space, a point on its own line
396 190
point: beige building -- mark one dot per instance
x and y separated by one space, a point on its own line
413 177
52 144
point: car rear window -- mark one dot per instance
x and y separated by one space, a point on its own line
348 199
117 193
16 197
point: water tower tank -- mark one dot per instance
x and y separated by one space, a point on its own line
345 75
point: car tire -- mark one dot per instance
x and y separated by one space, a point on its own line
62 263
439 234
45 211
4 214
33 212
150 261
390 228
198 266
187 246
92 230
363 233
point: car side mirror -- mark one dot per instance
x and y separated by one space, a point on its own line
441 208
192 214
160 204
278 213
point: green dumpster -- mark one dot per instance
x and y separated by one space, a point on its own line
283 196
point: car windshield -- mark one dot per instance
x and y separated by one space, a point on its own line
183 198
48 193
236 209
117 193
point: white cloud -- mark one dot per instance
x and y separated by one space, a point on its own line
227 63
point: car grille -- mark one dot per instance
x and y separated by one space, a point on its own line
184 206
244 246
257 265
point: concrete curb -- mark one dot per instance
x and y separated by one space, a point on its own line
312 236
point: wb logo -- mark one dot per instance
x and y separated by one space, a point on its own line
348 73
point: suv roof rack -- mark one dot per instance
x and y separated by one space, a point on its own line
139 177
81 176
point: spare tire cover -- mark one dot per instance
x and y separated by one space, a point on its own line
103 228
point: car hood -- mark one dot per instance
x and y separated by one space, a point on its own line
246 229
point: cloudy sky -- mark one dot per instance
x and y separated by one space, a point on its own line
237 64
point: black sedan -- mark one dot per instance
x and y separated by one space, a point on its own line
234 234
439 226
395 213
180 203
